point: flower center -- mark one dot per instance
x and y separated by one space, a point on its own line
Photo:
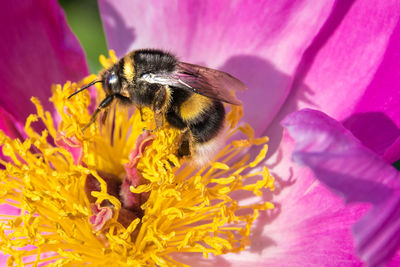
117 195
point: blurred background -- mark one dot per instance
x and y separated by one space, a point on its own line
84 19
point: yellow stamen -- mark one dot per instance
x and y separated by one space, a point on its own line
187 210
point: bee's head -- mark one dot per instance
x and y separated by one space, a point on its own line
111 82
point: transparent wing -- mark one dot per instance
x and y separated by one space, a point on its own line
201 80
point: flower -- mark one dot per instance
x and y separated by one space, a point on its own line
336 56
340 57
117 195
162 207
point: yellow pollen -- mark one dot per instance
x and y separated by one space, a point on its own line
129 70
187 210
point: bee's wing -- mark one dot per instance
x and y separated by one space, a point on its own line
201 80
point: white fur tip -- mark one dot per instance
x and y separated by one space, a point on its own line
205 152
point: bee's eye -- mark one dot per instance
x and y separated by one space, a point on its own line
112 79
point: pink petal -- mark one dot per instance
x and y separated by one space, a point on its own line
353 69
382 93
144 139
133 177
3 259
392 153
260 42
339 160
72 145
11 128
101 215
9 125
38 50
333 76
9 210
375 131
311 226
377 234
345 66
348 168
337 67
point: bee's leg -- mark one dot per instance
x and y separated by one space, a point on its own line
141 113
105 103
159 106
104 116
159 118
185 144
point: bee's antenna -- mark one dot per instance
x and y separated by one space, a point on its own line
85 87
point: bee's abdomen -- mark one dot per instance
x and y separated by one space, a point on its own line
202 115
209 123
193 109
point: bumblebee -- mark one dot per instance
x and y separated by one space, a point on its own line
189 97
